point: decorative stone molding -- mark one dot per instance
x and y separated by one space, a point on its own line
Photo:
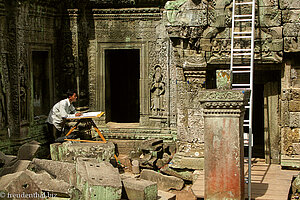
223 102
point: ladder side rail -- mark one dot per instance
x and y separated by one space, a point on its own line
232 36
251 101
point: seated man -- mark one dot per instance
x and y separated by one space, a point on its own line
61 110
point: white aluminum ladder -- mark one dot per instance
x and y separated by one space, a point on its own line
242 63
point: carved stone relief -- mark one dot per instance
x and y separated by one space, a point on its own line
295 119
288 137
269 16
92 74
23 94
291 29
157 92
220 52
292 44
290 16
69 60
286 4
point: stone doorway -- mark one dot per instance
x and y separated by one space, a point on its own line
41 78
265 115
122 75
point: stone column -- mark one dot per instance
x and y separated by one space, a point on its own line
223 137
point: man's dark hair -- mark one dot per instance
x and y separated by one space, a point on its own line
70 93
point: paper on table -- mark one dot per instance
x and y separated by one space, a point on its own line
87 114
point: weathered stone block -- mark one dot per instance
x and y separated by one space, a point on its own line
223 79
289 4
226 34
291 29
164 182
219 18
162 195
269 17
276 45
294 106
27 151
182 162
139 189
267 3
98 180
69 152
47 183
288 137
184 174
285 114
290 161
295 119
6 159
264 33
295 94
296 148
292 44
60 170
205 44
290 16
16 166
19 183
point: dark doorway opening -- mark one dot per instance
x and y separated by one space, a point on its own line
265 114
258 121
41 82
122 76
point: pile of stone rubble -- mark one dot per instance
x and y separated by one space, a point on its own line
84 171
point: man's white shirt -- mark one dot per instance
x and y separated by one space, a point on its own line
60 110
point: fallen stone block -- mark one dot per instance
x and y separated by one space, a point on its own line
139 189
15 166
182 162
184 174
162 195
6 159
151 144
164 182
69 151
19 185
47 183
28 150
59 170
98 180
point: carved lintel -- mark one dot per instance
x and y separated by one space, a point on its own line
195 76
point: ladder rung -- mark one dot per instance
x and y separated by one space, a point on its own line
242 32
239 72
246 125
246 120
241 49
240 85
243 3
243 20
241 67
241 54
242 36
242 15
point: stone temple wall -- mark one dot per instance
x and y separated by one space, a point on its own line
25 27
133 29
179 41
200 32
